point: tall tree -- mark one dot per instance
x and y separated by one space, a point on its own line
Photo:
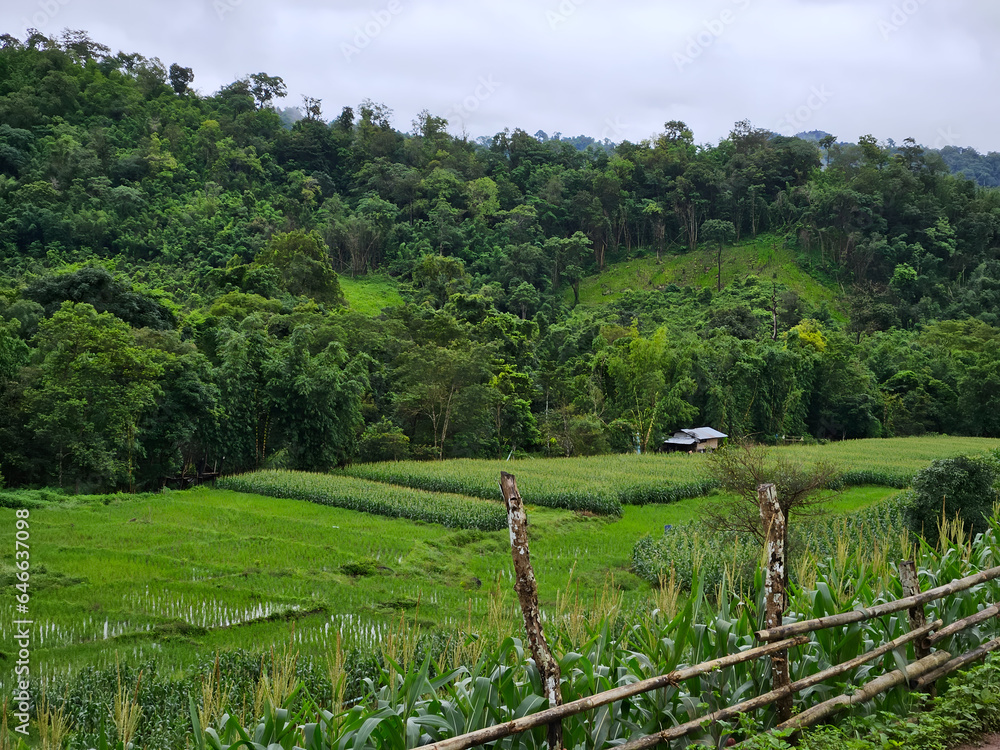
432 381
86 397
651 385
180 78
302 261
316 402
717 232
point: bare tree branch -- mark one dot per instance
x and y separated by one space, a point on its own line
740 468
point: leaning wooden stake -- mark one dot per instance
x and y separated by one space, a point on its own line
774 589
527 593
958 662
911 587
682 730
966 622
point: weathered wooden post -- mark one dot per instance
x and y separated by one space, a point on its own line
911 587
526 588
774 589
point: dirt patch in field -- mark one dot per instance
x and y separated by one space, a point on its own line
989 742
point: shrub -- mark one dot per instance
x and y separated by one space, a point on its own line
960 486
359 568
383 441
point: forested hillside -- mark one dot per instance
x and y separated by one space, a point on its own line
171 298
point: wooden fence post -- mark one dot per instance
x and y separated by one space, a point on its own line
774 589
911 587
527 593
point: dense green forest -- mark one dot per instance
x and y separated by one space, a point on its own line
173 266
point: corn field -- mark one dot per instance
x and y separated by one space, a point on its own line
598 484
602 484
453 511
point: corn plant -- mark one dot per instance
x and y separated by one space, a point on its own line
371 497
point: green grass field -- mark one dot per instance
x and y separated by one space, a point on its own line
900 456
179 575
182 574
596 483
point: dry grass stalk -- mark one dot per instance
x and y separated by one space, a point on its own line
53 725
469 647
127 710
878 563
667 595
260 691
575 618
569 611
500 614
907 550
338 679
953 534
805 569
697 553
214 697
608 607
401 644
279 684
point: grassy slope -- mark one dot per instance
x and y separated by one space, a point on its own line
762 257
369 294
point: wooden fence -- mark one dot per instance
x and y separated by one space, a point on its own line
920 674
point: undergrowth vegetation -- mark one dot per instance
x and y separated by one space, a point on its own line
969 709
696 550
387 636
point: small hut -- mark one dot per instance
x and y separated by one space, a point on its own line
694 440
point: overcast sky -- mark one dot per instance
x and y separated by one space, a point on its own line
925 69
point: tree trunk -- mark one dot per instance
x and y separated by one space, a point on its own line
911 587
774 589
527 593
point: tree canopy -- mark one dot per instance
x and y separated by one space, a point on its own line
173 268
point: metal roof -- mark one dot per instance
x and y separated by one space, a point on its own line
681 440
704 433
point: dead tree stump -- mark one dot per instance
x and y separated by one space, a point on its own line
774 589
526 588
911 587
